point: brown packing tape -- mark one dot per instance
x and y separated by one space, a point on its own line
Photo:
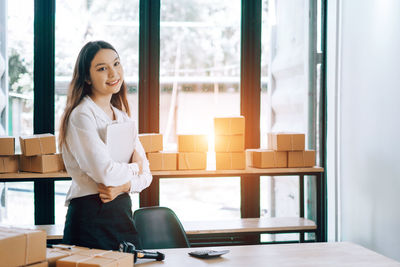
41 145
187 162
291 142
162 162
30 163
94 256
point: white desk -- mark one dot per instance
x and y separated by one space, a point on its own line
306 254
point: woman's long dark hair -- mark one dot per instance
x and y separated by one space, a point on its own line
79 87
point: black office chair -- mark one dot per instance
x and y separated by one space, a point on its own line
159 228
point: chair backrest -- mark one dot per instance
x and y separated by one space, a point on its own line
159 228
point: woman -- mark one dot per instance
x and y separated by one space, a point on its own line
99 206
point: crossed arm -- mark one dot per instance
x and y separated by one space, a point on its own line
109 193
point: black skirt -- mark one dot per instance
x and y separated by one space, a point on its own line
94 224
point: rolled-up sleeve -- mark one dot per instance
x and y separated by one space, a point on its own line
140 182
92 155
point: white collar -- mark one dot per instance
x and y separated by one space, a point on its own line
101 113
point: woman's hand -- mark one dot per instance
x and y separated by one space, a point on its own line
136 158
109 193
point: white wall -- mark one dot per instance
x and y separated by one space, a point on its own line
364 129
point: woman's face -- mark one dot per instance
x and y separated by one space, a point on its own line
106 73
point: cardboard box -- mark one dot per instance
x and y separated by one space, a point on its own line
9 164
54 254
265 158
38 144
21 246
151 142
163 161
40 264
286 141
41 163
192 143
230 161
229 143
7 145
192 161
229 125
301 158
97 258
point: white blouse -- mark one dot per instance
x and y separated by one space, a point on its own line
87 159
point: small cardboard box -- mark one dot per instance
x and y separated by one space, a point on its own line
41 163
301 158
230 161
7 145
163 161
9 164
229 143
97 258
54 254
192 143
192 161
40 264
229 125
38 144
286 141
265 158
21 246
151 142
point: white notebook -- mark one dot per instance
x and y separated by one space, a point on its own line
120 141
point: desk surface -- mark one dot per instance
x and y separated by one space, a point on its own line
191 173
246 225
306 254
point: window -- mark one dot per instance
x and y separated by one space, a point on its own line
16 199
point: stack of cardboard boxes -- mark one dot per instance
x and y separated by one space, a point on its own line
285 150
25 247
22 247
8 159
229 143
159 160
39 154
192 152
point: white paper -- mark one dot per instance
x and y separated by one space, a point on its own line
121 141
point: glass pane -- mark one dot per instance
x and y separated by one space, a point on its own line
199 65
61 189
116 22
199 79
17 203
265 54
16 199
196 199
20 68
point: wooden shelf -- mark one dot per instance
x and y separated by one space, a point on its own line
23 175
182 174
247 171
